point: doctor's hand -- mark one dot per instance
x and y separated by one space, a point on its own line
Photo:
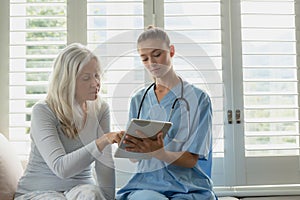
142 144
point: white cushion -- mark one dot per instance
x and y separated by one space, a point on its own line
273 198
227 198
10 169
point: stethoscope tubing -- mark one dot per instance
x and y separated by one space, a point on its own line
174 103
172 108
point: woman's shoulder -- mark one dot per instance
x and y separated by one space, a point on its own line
42 110
99 106
41 105
102 103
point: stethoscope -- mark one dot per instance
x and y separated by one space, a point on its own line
181 98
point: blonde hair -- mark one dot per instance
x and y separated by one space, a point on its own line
156 33
62 83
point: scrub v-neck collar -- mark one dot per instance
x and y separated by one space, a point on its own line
169 97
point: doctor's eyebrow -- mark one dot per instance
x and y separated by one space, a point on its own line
154 50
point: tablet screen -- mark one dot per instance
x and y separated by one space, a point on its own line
149 127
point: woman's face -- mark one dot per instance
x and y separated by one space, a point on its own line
156 57
88 82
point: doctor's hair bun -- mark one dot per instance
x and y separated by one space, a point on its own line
150 27
155 33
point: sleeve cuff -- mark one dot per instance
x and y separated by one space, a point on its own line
93 150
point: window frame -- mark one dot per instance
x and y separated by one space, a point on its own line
4 67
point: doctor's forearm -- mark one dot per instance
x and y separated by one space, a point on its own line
182 159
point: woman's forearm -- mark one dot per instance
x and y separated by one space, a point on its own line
101 143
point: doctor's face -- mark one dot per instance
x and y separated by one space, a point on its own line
156 57
88 82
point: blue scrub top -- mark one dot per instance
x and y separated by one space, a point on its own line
191 131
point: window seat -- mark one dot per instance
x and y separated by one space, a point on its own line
262 198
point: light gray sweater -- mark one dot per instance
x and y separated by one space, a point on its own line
59 163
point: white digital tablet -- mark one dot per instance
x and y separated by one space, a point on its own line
149 127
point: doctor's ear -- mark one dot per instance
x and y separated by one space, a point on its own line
172 50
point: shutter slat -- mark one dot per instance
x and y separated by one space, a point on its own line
38 32
266 75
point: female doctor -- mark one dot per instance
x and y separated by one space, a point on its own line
173 172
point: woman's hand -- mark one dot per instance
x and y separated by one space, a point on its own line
142 144
114 137
109 138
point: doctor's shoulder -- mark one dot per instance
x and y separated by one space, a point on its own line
138 95
201 94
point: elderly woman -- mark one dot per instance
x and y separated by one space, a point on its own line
70 132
